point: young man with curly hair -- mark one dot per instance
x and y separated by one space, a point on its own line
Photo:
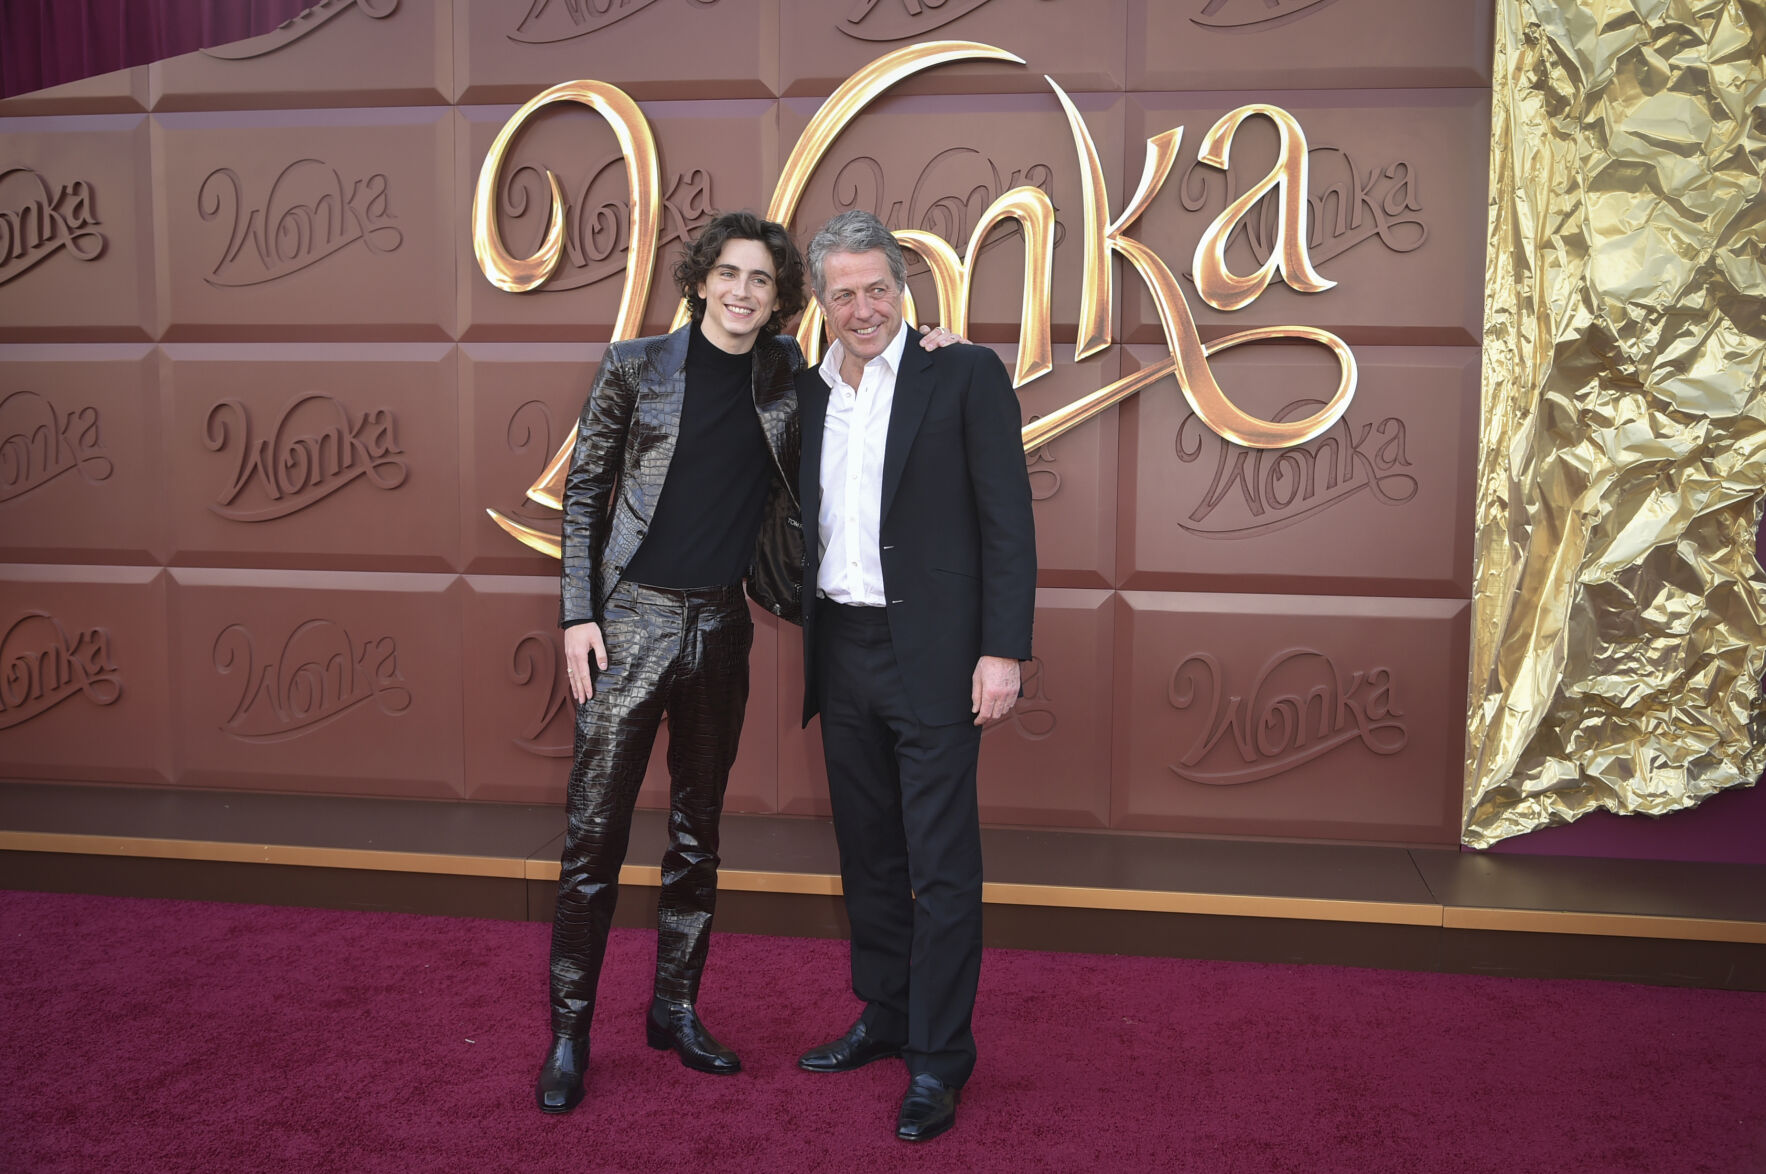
682 485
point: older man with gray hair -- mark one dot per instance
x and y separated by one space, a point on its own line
919 591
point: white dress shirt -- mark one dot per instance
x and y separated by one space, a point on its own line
853 439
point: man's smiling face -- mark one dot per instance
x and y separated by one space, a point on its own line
740 293
861 301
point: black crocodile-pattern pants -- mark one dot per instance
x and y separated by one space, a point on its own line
684 653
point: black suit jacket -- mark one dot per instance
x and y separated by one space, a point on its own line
958 541
625 441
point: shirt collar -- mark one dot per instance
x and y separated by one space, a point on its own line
830 365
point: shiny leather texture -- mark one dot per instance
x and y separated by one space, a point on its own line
855 1049
678 1026
927 1110
625 440
560 1085
683 653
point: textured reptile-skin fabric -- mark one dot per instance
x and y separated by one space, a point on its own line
684 653
625 440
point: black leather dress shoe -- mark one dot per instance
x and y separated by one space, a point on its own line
677 1026
560 1087
855 1049
928 1109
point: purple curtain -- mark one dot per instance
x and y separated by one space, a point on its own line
45 43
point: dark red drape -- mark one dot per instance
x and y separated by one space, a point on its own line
44 43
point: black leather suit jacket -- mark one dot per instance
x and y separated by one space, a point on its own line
624 442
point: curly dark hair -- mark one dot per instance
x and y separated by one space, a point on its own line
698 258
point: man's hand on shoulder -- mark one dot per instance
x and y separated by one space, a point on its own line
993 689
934 337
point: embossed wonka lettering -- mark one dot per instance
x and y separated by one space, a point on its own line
302 24
1254 14
42 664
1261 490
950 196
598 228
537 664
1346 207
38 443
309 213
895 20
317 446
37 221
1300 706
549 21
320 674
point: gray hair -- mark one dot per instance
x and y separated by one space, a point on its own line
856 231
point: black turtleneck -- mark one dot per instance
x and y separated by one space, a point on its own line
708 516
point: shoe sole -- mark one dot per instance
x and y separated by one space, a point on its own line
916 1138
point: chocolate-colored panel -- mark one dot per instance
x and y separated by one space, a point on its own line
937 163
123 91
711 156
1290 716
349 53
76 229
519 402
1073 477
518 713
689 49
308 224
296 455
1381 504
1307 44
1078 42
1049 761
520 720
80 455
312 681
83 674
1396 187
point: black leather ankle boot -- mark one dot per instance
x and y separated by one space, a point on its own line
560 1087
677 1026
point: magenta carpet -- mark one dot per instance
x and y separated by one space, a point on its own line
144 1036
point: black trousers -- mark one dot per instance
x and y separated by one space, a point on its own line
683 653
905 818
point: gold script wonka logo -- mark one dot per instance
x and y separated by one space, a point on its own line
320 674
38 221
38 443
1104 237
316 447
309 212
42 664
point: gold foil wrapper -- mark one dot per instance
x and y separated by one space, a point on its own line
1619 628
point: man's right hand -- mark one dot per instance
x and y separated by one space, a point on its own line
579 641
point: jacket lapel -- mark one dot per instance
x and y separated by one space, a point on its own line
913 391
660 402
